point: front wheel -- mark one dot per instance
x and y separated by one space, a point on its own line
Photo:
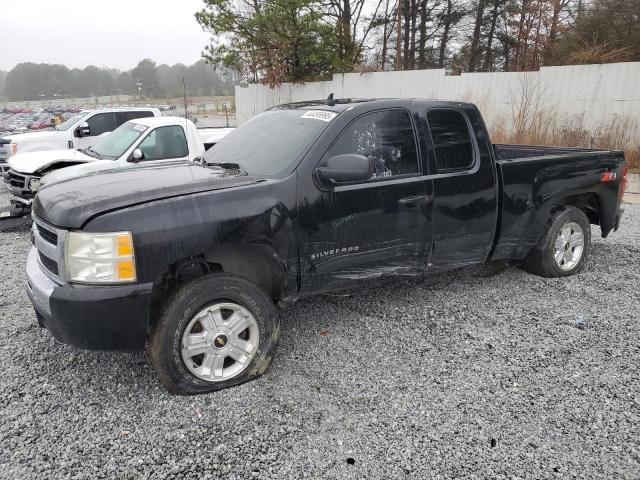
565 246
214 332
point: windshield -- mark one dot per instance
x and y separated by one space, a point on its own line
270 142
117 142
71 121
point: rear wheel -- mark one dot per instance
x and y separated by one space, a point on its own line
214 332
565 246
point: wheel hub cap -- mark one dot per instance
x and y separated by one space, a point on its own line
569 246
220 341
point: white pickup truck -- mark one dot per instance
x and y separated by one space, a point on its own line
150 139
77 132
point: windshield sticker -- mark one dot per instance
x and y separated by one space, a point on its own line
320 115
140 128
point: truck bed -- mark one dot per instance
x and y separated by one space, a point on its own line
514 152
533 179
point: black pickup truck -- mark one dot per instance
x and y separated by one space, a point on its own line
190 262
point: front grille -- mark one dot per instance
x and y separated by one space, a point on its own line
49 241
50 237
16 180
48 263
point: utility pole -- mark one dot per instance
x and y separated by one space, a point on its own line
184 95
399 37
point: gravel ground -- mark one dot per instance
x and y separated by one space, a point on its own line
460 375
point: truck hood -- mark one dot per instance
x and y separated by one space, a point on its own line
82 169
33 136
93 167
31 162
73 202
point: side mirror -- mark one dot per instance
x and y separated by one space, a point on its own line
136 156
83 130
348 167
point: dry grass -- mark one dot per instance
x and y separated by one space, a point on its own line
545 128
531 124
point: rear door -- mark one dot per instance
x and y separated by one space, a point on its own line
465 188
372 228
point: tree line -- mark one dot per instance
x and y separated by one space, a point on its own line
33 81
274 41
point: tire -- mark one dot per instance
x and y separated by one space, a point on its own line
543 261
216 295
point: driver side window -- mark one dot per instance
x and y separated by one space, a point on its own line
164 143
386 137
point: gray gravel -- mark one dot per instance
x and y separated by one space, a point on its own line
460 375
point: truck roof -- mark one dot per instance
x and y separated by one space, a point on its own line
341 104
159 121
121 109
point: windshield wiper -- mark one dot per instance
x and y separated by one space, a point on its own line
229 166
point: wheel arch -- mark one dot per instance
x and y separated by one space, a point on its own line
588 202
259 264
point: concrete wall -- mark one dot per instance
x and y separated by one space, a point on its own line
593 92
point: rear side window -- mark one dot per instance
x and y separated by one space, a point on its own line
136 114
101 123
451 139
386 137
164 143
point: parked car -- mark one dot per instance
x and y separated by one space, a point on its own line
78 131
189 262
148 139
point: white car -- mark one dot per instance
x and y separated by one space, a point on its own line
150 139
77 132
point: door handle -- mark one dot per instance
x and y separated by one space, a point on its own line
415 200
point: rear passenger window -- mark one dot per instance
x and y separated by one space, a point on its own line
451 139
386 138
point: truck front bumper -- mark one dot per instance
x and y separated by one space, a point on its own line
90 317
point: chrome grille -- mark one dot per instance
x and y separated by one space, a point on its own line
49 241
16 180
48 263
48 235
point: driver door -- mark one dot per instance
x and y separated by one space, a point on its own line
381 226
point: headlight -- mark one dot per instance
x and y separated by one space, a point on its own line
34 184
100 257
13 147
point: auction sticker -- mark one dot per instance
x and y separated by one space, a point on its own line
320 115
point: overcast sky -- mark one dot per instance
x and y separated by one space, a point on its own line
105 33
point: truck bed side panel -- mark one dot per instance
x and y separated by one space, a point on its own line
532 187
